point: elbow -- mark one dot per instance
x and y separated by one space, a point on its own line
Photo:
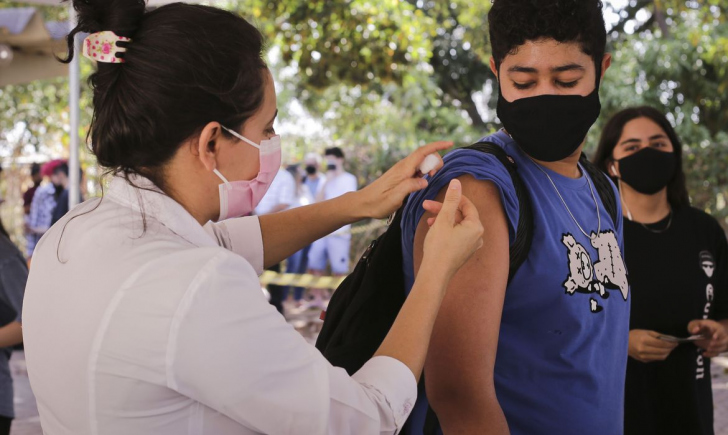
467 409
444 398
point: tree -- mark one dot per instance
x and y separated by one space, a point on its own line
673 55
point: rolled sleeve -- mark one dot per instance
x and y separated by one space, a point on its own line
394 381
386 394
241 236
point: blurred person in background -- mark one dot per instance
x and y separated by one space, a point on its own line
13 277
332 250
677 258
60 179
42 206
280 196
314 180
37 178
298 262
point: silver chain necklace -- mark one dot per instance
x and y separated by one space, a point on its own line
591 189
656 231
629 215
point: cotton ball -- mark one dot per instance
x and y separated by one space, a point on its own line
430 163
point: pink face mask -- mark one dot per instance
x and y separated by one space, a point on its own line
239 198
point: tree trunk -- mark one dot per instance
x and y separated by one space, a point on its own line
661 21
472 109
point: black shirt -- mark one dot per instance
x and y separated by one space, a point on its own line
676 276
61 207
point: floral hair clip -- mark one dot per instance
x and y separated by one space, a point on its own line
102 47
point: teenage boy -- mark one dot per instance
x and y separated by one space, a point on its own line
546 352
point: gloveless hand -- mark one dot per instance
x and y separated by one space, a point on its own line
385 195
716 336
644 346
455 234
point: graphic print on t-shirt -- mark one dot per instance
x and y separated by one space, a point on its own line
707 263
585 276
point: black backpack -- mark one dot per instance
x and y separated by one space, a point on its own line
365 305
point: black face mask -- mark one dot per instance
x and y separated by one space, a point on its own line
550 128
310 170
331 167
648 170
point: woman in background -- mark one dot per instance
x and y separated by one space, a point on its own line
677 258
13 277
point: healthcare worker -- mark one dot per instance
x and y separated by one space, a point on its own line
141 317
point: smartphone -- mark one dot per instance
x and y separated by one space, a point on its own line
681 339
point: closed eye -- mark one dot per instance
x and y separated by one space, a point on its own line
523 86
567 84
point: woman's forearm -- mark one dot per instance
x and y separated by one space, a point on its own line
11 334
288 232
409 337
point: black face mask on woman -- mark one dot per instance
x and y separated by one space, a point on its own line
648 171
550 128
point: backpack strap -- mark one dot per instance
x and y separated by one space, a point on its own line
524 232
603 187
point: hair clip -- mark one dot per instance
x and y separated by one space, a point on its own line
102 47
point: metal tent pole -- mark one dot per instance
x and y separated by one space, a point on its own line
74 77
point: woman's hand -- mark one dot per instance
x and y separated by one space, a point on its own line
385 195
644 346
455 234
716 340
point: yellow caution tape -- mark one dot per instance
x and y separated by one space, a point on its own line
375 225
295 280
312 281
359 229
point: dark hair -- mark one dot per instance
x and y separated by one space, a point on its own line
677 193
35 169
187 65
513 22
61 168
334 151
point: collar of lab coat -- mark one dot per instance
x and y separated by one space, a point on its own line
146 198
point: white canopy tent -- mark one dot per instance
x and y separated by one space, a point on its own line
33 43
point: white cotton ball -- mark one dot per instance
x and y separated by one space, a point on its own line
429 163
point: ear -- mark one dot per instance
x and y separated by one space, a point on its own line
494 68
613 171
208 145
606 63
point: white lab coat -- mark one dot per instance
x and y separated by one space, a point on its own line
164 331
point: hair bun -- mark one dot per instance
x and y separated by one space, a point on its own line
120 16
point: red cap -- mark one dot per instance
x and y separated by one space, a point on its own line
47 169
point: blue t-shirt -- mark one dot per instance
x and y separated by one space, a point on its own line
562 349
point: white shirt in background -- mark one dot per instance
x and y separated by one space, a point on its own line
335 186
281 191
158 326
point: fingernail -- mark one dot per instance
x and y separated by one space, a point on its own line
455 184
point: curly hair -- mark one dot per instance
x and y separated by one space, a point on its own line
513 22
